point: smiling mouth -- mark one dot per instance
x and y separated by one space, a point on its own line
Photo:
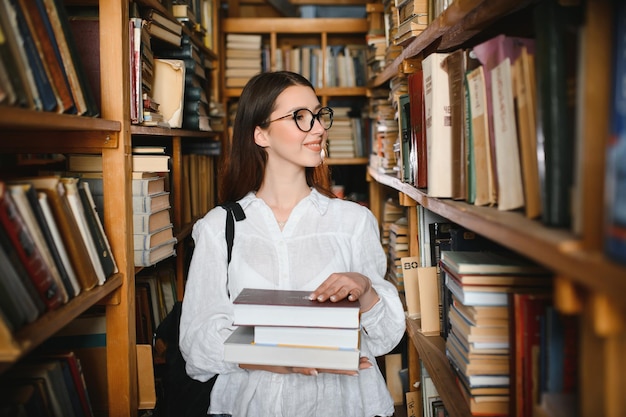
314 146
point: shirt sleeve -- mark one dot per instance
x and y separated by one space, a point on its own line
206 318
383 326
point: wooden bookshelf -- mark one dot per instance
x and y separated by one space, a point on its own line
587 283
112 135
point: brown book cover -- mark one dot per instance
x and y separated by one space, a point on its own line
256 306
455 64
29 253
69 229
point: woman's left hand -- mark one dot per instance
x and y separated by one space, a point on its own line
350 285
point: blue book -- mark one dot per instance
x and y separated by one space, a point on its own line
47 96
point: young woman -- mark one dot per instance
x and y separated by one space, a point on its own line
296 235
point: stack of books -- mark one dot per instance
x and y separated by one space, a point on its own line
482 285
243 58
153 235
341 137
285 328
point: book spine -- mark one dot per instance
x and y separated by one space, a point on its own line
29 253
96 229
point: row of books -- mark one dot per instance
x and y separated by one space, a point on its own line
40 67
155 296
285 328
53 246
48 384
344 65
474 125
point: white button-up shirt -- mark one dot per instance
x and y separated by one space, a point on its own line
321 236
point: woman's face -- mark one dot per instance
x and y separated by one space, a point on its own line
283 139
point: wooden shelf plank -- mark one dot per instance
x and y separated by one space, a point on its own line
29 120
431 350
346 161
32 335
293 25
558 249
168 131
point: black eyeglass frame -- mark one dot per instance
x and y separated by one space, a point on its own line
314 116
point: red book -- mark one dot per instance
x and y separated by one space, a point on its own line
418 134
527 312
28 252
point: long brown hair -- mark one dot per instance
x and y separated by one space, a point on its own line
243 165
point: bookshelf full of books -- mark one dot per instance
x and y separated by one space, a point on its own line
530 264
67 243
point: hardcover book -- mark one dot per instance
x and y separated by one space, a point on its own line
68 228
307 336
470 262
240 348
255 306
29 253
438 129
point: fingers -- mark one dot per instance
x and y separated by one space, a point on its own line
338 286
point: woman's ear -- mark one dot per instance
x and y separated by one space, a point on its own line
260 137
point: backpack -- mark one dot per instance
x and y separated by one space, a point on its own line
183 396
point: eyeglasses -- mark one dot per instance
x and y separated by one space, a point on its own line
305 118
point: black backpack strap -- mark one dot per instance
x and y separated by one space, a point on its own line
233 212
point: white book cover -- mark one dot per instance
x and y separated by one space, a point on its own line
438 126
240 348
508 167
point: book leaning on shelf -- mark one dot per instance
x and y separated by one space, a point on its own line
285 328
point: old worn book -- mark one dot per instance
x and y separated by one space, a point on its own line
153 255
481 168
487 262
69 229
151 203
438 129
154 239
430 304
169 90
18 192
269 307
96 228
240 348
491 54
144 223
525 109
26 197
77 210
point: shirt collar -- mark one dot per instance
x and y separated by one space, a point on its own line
319 201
